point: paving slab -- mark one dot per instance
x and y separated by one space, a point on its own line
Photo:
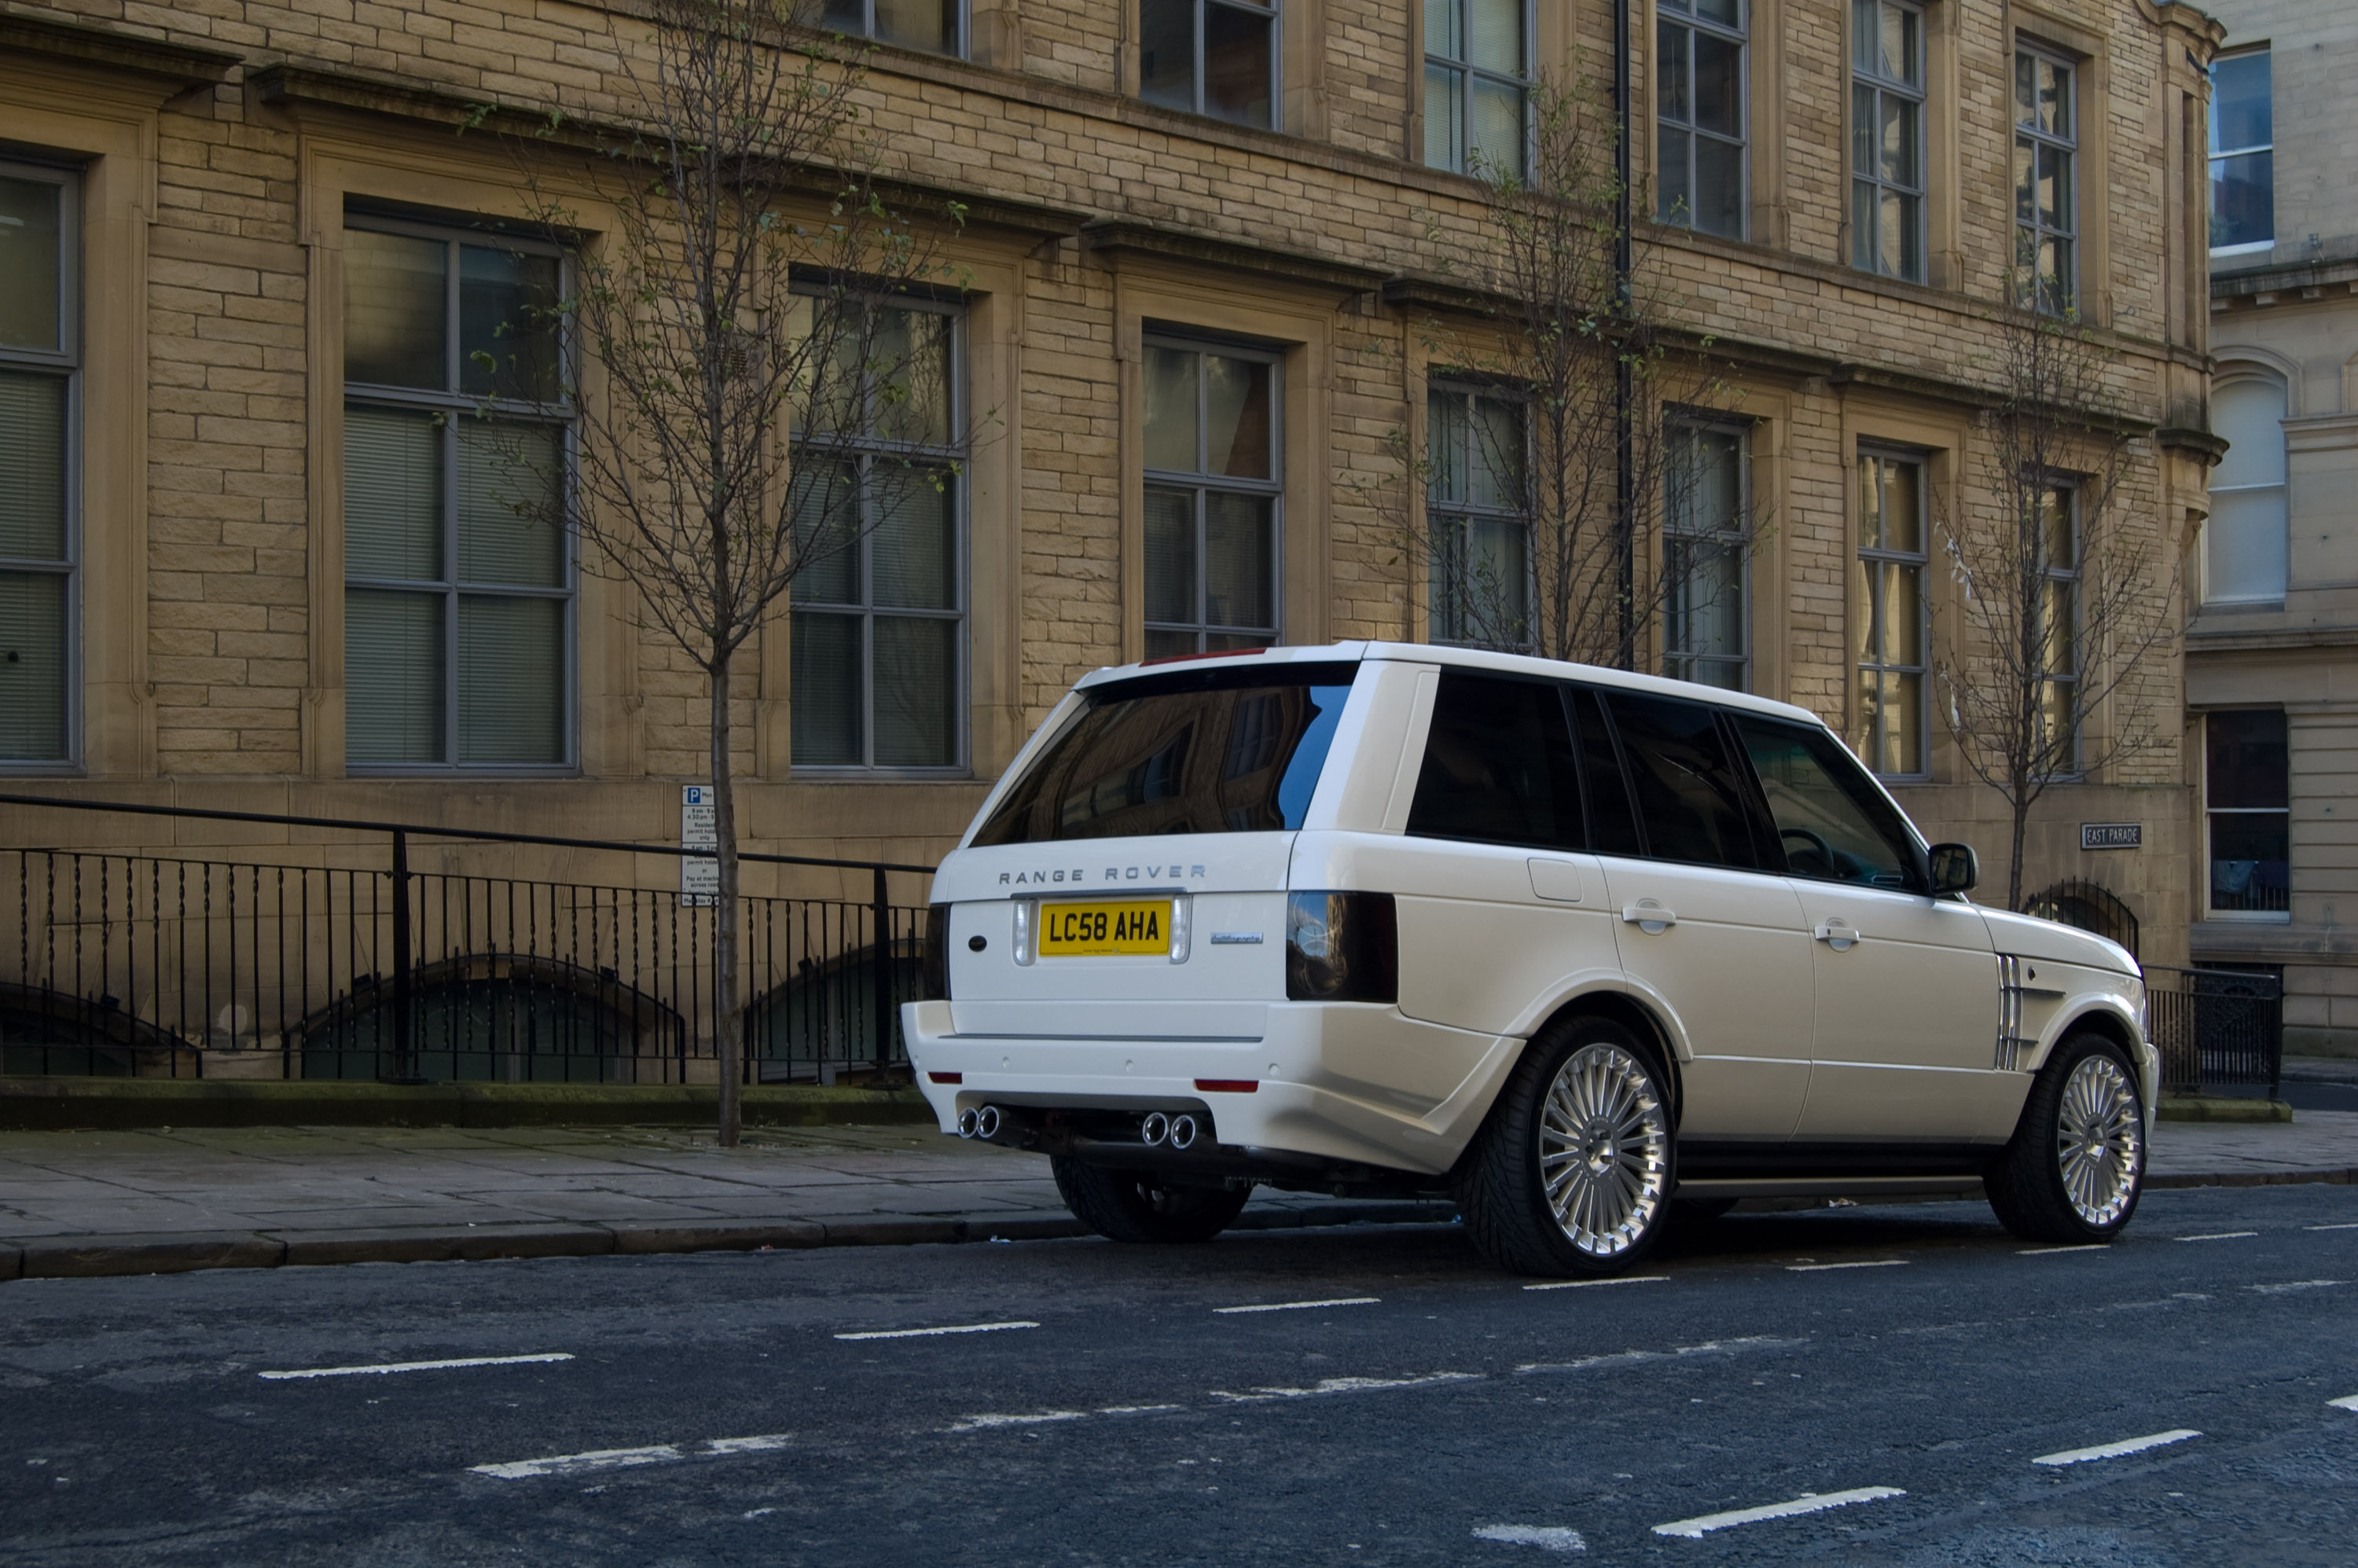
152 1200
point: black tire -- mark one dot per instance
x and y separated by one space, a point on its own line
1506 1198
1139 1206
2053 1183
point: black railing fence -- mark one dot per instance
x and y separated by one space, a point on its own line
2215 1028
358 965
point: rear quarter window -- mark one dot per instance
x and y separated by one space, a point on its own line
1213 750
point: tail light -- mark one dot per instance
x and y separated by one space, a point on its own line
1341 947
933 982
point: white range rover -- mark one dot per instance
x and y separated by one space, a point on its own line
1571 945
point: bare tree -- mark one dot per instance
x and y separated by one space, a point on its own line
752 394
1557 454
2064 590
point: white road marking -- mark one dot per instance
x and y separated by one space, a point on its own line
1807 1503
1138 1410
2293 1285
1634 1358
384 1367
1305 1306
624 1458
1822 1268
2346 1402
2221 1235
2352 1225
929 1332
2051 1252
1547 1537
991 1422
1346 1385
1582 1285
2117 1450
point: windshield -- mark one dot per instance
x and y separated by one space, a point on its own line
1211 750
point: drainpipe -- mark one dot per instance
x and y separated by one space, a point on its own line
1624 457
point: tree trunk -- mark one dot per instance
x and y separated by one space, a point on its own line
2014 865
728 1043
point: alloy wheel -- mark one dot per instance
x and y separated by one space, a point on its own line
1604 1148
2099 1140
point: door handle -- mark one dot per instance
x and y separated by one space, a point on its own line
1649 917
1838 935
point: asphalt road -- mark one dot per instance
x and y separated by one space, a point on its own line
724 1408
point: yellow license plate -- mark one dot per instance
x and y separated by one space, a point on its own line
1089 930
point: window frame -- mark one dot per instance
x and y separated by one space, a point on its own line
963 20
865 446
2028 134
455 404
2217 155
1467 72
2239 375
1738 539
1870 80
1197 12
1463 515
1741 37
2246 916
1201 483
63 364
1920 561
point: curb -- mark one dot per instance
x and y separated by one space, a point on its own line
2221 1108
86 1257
61 1103
2338 1178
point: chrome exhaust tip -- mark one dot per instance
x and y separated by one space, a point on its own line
1154 1128
985 1122
1182 1131
965 1120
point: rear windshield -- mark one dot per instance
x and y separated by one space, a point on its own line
1211 750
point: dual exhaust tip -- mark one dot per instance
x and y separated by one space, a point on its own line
1158 1130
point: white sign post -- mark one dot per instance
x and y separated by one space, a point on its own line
700 828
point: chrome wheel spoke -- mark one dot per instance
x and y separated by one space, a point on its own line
2099 1140
1602 1150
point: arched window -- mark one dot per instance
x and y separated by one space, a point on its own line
2246 550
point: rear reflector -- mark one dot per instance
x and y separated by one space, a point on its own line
1227 1085
947 1077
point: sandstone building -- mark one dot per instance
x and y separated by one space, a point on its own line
216 222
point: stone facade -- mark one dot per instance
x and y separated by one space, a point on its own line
220 144
2285 325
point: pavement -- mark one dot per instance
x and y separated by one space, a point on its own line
124 1202
1899 1387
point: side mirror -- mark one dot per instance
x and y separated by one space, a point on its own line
1954 868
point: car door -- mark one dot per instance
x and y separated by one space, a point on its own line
1906 984
1707 935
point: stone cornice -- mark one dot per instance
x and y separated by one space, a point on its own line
2201 445
1120 236
183 66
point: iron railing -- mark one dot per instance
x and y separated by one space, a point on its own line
356 964
2215 1028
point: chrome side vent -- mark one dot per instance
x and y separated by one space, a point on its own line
2013 1049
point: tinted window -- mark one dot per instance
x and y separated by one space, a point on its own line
1831 822
1612 823
1230 750
1498 765
1691 796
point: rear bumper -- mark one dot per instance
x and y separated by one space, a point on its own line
1319 1092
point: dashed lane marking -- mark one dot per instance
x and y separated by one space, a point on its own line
1344 1386
2127 1445
625 1458
2352 1226
1582 1285
2346 1402
988 1422
1807 1503
1546 1536
930 1332
2051 1252
2290 1285
2220 1236
1304 1306
1640 1358
382 1367
1822 1268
